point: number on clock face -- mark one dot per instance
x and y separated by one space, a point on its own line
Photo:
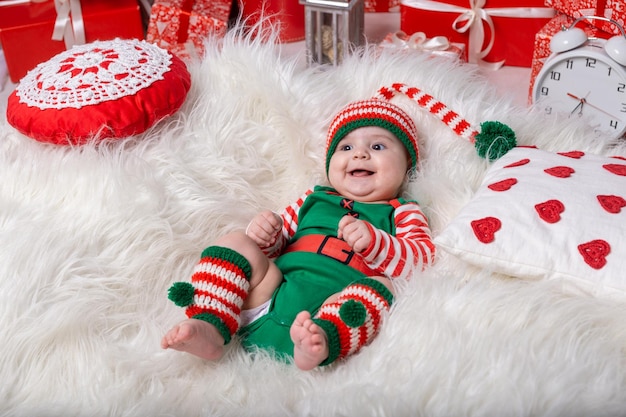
585 87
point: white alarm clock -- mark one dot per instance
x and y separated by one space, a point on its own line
585 78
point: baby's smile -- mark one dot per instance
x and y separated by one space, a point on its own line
360 173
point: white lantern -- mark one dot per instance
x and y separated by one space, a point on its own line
333 28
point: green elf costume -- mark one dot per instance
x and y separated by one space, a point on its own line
314 262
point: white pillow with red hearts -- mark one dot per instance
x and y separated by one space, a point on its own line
542 215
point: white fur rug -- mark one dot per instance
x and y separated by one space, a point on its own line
93 237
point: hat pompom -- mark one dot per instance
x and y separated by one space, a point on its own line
494 140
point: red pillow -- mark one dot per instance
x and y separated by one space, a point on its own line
104 89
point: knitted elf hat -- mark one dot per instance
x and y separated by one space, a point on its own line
373 112
494 140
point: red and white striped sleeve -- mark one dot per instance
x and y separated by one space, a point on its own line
411 248
290 225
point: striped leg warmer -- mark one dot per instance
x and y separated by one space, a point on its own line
355 318
219 285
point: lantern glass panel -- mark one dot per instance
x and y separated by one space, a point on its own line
333 28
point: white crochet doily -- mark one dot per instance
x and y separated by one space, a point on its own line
94 73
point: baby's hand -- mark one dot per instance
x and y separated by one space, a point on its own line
265 228
355 232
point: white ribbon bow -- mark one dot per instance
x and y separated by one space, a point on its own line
69 25
472 20
419 41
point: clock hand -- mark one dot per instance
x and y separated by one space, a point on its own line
584 101
580 104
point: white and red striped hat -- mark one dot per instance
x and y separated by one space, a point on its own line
493 141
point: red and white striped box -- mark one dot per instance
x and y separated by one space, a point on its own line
181 26
610 9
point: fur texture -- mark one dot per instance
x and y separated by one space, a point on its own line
93 236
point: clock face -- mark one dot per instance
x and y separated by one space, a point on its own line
587 84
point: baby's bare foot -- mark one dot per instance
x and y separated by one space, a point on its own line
196 337
310 343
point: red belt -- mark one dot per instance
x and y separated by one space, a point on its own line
334 248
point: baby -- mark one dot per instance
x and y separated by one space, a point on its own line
314 282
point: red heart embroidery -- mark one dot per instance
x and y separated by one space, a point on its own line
559 172
503 185
485 229
617 169
573 154
518 163
550 211
612 203
594 253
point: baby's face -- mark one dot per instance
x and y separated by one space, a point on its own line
369 165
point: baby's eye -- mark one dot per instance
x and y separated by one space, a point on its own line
378 147
345 147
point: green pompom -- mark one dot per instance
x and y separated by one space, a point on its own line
353 313
494 140
181 293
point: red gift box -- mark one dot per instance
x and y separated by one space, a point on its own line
377 6
495 32
181 26
26 29
542 51
610 9
287 15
